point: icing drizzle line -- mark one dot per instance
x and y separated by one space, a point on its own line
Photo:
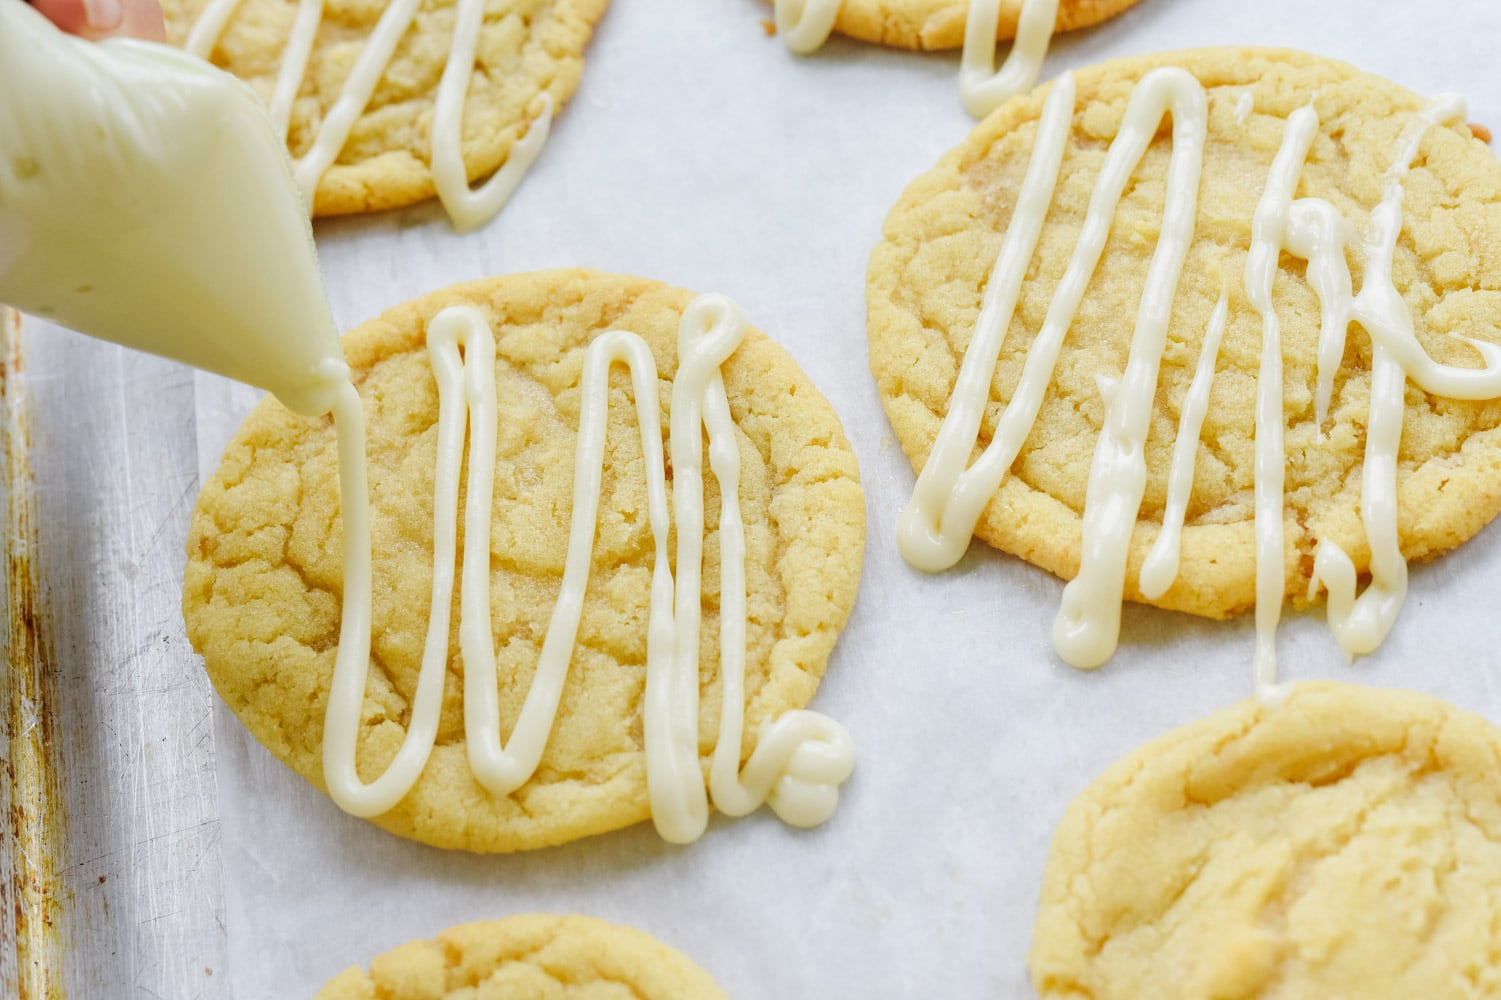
1088 622
982 88
949 498
804 25
1268 234
801 757
467 208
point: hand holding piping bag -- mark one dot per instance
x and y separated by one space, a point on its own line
146 199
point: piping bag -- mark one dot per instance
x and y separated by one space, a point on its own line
145 199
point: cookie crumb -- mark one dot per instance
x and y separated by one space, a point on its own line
1480 132
769 26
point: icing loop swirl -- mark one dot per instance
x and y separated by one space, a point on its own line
802 756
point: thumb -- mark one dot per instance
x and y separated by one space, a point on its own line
105 18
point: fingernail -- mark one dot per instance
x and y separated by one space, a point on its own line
103 15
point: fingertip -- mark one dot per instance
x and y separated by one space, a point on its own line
69 15
106 18
143 19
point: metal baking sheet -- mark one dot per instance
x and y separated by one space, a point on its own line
151 849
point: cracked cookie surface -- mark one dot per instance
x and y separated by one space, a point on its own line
1345 844
560 958
928 274
939 24
525 49
265 571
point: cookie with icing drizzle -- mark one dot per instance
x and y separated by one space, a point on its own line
805 25
1345 843
612 534
933 25
1265 277
559 957
385 105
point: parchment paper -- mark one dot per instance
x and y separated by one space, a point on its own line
699 152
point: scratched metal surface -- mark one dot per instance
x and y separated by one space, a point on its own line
110 875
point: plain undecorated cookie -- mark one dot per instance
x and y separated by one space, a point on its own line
525 49
549 958
1346 844
265 574
939 24
929 272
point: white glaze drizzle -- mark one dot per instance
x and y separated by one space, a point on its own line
1160 568
1379 307
358 88
1318 233
804 25
1268 233
294 60
502 769
982 88
1087 628
467 208
801 757
472 208
346 691
210 26
936 526
1244 105
1360 624
205 32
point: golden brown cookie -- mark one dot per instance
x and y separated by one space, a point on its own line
561 958
1345 844
525 50
939 24
264 574
928 274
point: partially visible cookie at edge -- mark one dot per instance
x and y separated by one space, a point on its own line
1345 843
528 49
264 575
939 24
559 957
